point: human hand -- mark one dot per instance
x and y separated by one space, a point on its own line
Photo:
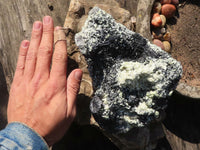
40 97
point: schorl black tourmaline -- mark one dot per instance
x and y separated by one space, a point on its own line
132 78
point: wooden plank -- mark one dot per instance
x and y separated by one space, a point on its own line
16 19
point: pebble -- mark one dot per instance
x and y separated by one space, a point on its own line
159 43
162 30
163 18
157 7
156 20
168 10
167 46
165 1
157 33
167 36
175 2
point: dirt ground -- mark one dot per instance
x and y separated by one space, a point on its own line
185 31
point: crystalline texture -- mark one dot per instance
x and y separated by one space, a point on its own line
132 78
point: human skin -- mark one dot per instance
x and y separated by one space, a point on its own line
43 98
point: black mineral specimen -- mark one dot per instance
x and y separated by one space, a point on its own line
132 78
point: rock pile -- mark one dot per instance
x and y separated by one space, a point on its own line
161 11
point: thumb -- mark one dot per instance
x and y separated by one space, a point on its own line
73 85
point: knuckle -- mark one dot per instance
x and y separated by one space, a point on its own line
53 87
59 57
74 88
45 51
22 52
20 63
48 30
31 55
56 85
36 35
19 67
48 96
35 84
36 81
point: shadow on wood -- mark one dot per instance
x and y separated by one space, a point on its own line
3 99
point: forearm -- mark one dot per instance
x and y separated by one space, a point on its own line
19 136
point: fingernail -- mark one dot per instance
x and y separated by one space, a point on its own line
37 25
46 19
78 75
25 44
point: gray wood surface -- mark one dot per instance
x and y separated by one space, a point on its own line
16 19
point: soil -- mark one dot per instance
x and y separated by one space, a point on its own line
185 33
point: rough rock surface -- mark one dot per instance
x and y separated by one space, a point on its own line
76 17
132 78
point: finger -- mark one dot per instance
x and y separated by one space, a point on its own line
45 48
33 48
59 61
73 85
21 59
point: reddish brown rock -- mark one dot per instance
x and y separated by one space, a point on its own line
156 20
165 1
175 2
168 10
158 43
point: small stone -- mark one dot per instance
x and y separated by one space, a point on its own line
159 44
167 46
165 1
157 7
156 20
175 2
167 36
157 33
163 18
168 10
162 30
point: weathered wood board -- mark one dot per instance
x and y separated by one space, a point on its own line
16 19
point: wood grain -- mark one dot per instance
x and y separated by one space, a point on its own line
16 19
